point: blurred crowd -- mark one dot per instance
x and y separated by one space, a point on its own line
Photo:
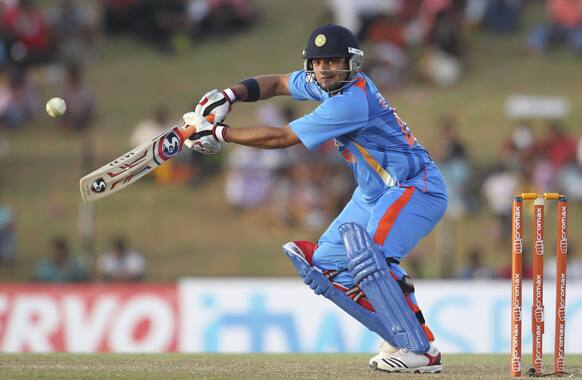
120 264
163 23
406 41
538 154
426 40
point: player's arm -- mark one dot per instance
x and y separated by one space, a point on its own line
269 86
257 137
219 103
262 137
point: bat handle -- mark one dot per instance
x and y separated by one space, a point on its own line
189 130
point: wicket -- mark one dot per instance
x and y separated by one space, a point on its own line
538 282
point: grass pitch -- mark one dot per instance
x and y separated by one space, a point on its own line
253 366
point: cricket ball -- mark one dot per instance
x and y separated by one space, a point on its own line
56 107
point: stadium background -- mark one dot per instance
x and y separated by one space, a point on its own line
182 224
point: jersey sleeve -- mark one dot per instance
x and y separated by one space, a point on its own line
300 89
335 117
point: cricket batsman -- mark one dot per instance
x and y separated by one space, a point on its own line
399 198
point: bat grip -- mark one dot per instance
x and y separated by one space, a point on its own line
189 130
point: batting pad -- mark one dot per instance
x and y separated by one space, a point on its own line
370 271
317 281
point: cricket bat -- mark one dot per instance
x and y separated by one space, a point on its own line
133 165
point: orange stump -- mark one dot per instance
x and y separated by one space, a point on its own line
517 281
561 254
538 282
538 286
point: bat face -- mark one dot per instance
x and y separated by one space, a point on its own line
133 165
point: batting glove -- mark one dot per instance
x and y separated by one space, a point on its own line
217 103
208 137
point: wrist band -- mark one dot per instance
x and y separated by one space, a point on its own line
230 95
220 132
253 89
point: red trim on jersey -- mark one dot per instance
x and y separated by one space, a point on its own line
387 221
361 83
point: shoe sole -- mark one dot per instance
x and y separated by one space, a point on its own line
438 368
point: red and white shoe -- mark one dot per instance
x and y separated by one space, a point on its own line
404 360
386 349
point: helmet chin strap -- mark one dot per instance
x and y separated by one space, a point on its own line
347 82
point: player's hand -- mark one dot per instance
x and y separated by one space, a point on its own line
205 145
204 140
217 103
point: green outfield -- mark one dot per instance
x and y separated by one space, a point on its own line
254 366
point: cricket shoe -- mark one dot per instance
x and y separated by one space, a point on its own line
386 349
404 360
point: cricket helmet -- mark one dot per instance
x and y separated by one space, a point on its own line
333 41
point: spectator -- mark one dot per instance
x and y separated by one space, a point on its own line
502 15
3 42
520 149
218 17
74 32
474 268
151 127
475 12
498 188
570 177
359 15
439 22
559 145
387 65
554 151
61 266
251 173
442 21
250 177
118 16
543 174
19 101
79 99
451 155
27 33
156 22
7 238
564 25
299 197
121 264
569 181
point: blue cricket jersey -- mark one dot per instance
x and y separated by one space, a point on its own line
369 134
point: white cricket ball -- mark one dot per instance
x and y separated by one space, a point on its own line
56 107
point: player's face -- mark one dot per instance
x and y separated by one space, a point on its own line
330 73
